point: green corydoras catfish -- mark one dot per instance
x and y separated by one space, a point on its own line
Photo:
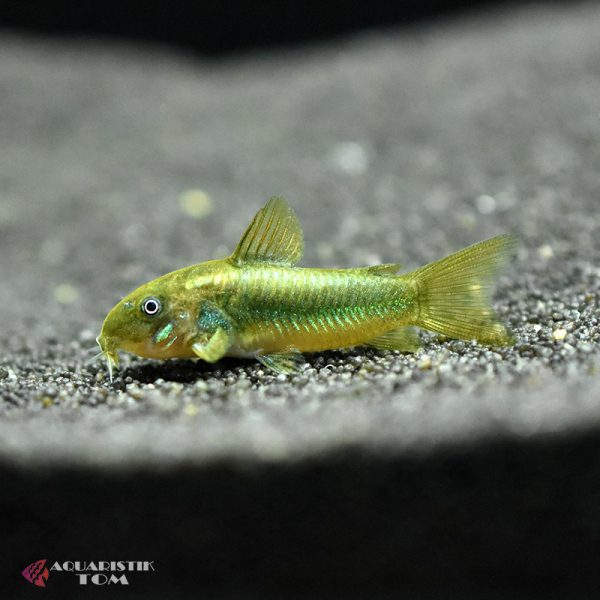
257 304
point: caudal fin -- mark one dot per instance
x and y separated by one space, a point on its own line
454 292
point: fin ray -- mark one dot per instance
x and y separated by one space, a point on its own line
215 348
454 293
287 361
387 270
275 235
404 339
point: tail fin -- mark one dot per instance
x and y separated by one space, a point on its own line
454 292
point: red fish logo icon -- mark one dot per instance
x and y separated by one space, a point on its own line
36 573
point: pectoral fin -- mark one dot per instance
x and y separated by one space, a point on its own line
404 339
275 235
285 362
214 348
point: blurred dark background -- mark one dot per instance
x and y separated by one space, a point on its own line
230 26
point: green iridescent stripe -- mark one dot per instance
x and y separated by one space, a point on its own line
162 334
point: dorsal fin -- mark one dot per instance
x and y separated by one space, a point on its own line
274 236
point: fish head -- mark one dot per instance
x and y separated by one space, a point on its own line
159 319
148 322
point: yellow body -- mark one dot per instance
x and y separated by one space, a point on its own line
256 303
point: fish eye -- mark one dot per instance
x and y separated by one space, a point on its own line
151 306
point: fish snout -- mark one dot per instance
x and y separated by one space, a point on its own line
109 352
107 344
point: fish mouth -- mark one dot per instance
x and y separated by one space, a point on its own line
111 357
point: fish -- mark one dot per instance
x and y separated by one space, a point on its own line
258 304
